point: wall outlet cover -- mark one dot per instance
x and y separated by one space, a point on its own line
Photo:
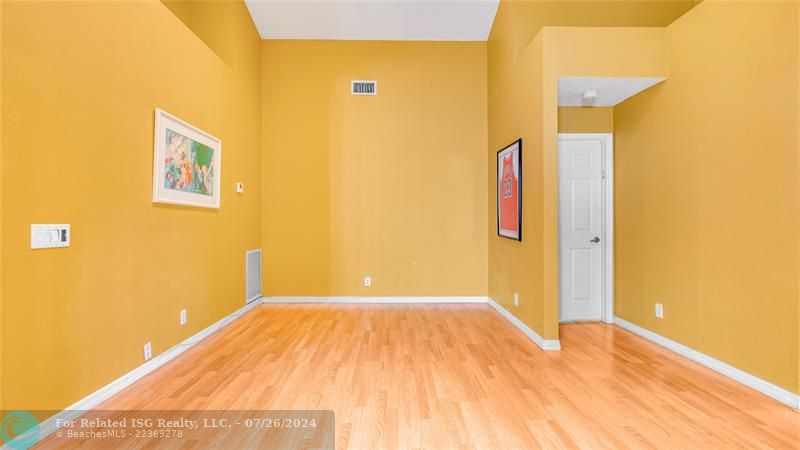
148 351
367 281
516 299
183 317
659 310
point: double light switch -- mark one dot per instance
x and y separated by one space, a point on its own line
49 236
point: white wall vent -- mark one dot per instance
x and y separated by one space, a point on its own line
253 274
364 87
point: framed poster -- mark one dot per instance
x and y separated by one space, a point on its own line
187 164
509 191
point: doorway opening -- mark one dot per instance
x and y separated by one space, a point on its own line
586 227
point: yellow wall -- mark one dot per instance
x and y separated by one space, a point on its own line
690 246
587 52
523 102
515 111
576 119
80 81
707 190
526 18
394 186
1 204
213 21
390 186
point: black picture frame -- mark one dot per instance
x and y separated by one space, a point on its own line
510 148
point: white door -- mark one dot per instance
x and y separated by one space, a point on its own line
580 202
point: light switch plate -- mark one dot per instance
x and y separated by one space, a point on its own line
50 235
240 187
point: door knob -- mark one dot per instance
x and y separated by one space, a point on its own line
595 240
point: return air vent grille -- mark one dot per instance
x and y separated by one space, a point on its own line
253 274
364 87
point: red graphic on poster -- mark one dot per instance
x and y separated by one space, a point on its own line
509 196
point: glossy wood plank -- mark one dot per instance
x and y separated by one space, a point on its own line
446 376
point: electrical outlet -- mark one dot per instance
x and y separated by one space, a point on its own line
183 317
367 281
659 310
516 299
148 351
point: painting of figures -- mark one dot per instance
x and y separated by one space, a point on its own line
187 161
189 165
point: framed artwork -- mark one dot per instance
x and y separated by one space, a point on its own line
187 164
509 191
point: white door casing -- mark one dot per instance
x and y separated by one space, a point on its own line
585 225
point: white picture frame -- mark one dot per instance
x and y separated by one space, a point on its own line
187 163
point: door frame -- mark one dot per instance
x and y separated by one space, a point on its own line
607 206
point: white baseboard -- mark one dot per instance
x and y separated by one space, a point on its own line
375 300
765 387
544 344
75 410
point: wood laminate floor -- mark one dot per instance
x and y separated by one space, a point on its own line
447 376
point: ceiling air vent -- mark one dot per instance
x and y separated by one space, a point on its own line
364 87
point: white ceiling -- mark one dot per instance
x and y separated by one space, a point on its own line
393 20
610 91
